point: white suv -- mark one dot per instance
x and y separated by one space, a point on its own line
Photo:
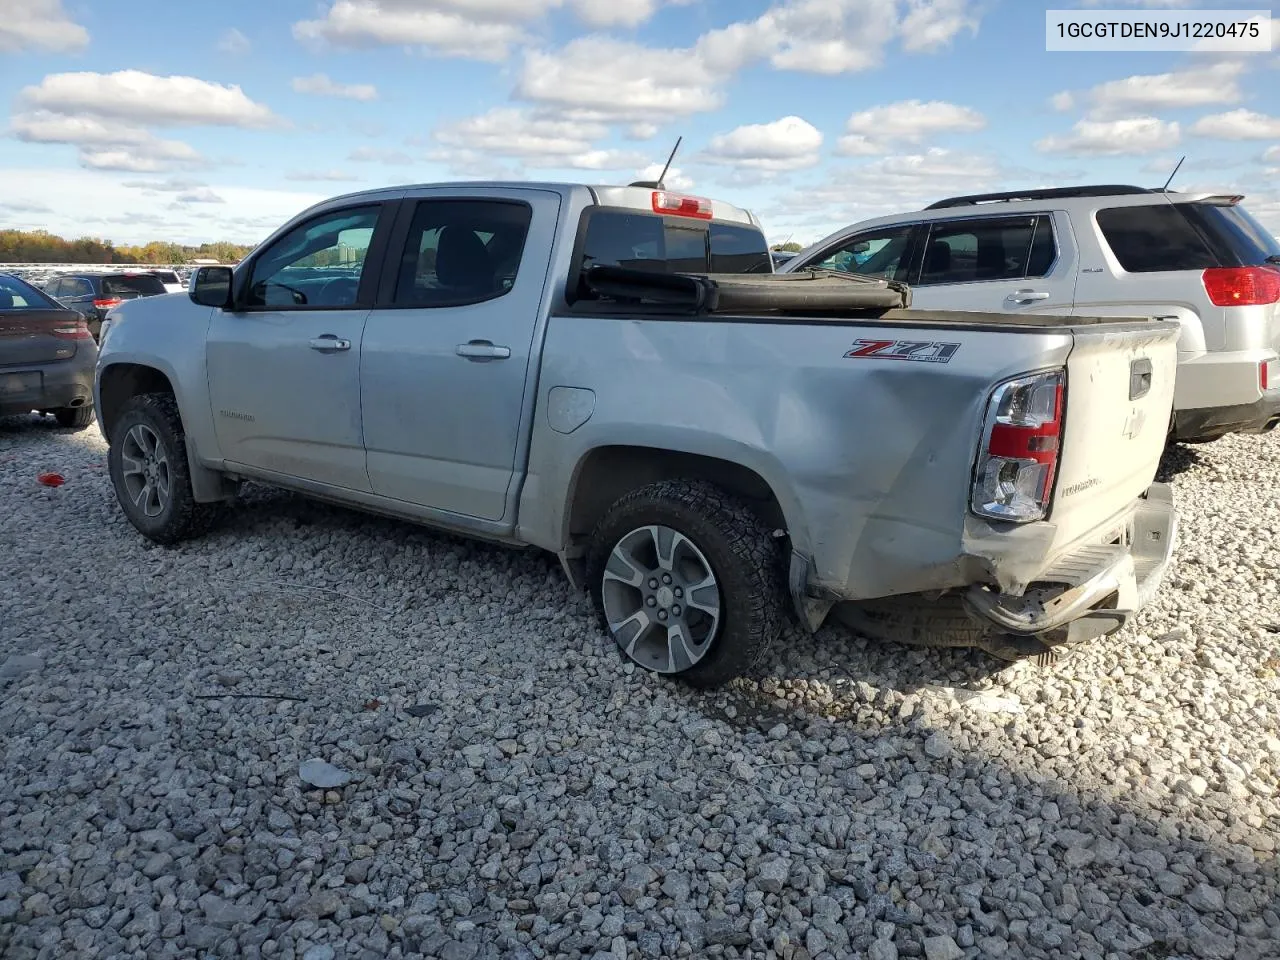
1103 250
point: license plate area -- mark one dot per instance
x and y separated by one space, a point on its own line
20 384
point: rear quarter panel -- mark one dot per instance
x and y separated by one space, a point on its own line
870 459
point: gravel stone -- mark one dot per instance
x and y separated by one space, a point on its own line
509 790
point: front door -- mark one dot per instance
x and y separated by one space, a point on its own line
998 264
284 367
447 349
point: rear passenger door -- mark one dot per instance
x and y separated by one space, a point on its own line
1011 264
447 348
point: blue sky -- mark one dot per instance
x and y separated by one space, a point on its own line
144 121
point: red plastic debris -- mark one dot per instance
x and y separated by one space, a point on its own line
51 479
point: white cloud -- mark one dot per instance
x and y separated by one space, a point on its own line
105 145
536 142
1238 125
676 179
877 129
320 175
320 85
482 31
380 155
614 13
234 43
1271 155
138 97
91 200
39 25
790 143
171 185
597 77
892 184
1100 138
1199 87
198 195
931 25
1063 101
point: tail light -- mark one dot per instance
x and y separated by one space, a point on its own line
108 303
1264 377
1242 286
72 330
1021 443
674 203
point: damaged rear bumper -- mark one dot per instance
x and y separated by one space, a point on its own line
1093 591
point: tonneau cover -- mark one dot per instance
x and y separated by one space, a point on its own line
810 290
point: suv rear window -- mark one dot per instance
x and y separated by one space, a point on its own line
166 276
641 241
1186 236
143 286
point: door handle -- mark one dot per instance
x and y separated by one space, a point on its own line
1026 296
328 343
482 350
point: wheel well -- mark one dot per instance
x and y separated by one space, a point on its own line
608 473
120 382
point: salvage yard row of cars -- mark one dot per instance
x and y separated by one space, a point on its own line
956 415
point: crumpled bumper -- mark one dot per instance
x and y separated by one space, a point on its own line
1096 589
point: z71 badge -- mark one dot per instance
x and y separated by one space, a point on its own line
924 351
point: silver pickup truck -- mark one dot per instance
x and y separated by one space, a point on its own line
615 375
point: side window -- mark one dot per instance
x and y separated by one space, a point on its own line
739 250
968 251
461 251
1044 248
317 264
1154 238
54 287
77 287
875 253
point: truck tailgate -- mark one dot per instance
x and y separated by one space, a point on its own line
1120 380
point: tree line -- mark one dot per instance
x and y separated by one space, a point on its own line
40 246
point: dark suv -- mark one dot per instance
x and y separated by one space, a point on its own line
93 294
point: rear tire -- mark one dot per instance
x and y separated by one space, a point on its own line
718 556
147 461
74 418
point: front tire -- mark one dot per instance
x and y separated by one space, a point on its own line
147 460
688 581
74 418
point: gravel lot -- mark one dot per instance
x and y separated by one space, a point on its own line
543 800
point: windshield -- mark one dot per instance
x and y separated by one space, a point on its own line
140 286
17 294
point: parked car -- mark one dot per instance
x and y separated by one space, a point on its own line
780 257
598 372
172 282
1200 259
94 294
47 356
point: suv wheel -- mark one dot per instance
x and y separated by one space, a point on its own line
75 418
687 581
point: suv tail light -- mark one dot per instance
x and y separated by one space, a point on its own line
108 302
680 206
1021 443
1242 286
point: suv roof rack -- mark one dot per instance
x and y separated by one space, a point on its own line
1101 190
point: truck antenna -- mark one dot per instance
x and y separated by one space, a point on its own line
663 175
1165 188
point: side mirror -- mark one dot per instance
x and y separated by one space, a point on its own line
211 287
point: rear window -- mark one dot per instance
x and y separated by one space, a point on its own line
141 286
166 276
16 294
641 241
1240 239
